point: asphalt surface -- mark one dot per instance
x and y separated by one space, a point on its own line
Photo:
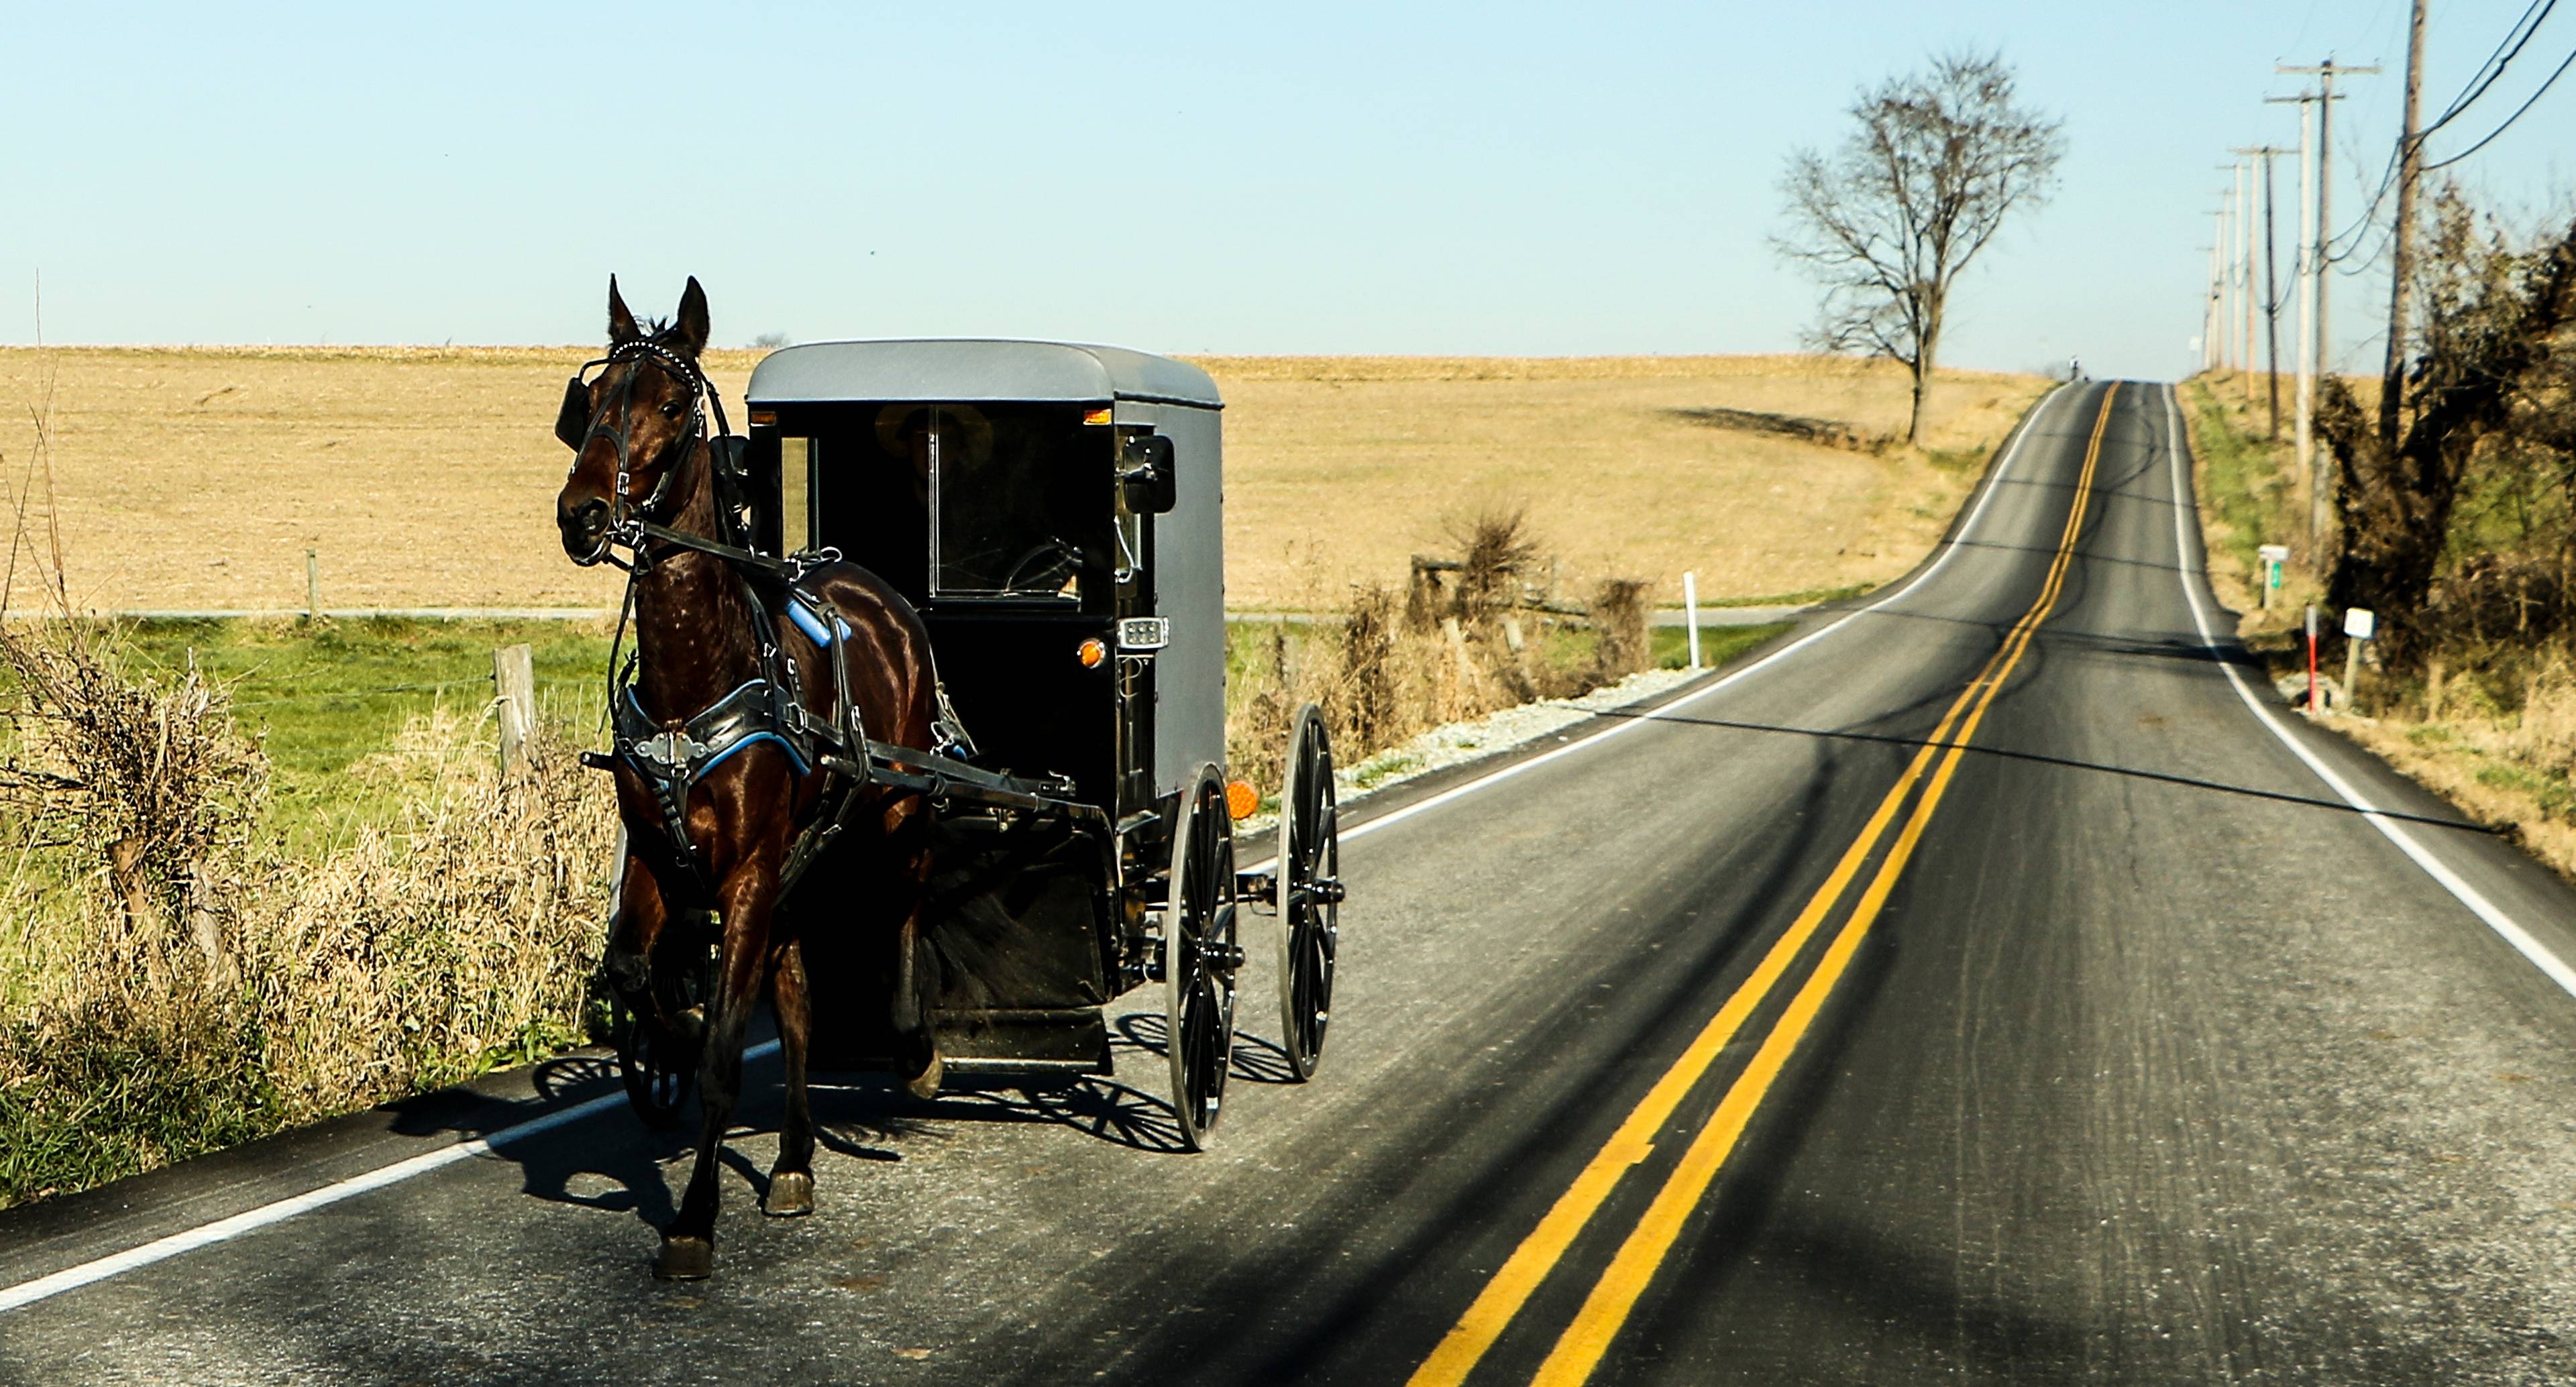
2125 1050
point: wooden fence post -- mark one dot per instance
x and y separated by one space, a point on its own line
514 690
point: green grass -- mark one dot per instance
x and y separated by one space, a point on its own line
2556 797
1804 597
2245 482
1717 644
323 698
320 698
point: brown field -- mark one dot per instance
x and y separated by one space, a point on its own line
197 478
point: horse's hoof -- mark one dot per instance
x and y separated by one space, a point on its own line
686 1259
925 1085
791 1194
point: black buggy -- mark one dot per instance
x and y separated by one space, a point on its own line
1054 512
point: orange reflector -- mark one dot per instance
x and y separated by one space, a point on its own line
1092 653
1240 800
1095 416
763 418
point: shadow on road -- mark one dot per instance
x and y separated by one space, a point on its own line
2131 772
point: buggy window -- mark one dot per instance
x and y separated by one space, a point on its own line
1006 486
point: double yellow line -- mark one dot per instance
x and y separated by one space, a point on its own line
1580 1348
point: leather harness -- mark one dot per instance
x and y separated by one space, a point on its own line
671 755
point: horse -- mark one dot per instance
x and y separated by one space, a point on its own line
715 828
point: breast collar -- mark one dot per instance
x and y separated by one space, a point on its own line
672 755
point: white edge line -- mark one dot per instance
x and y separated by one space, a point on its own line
224 1229
2514 934
164 1248
1994 484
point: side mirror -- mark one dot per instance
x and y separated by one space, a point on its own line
1148 475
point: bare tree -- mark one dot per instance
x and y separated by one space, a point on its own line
1888 221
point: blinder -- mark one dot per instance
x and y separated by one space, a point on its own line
573 423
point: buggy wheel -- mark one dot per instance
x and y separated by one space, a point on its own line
658 1063
1200 956
1308 877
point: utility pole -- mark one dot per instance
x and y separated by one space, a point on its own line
2245 271
2325 73
2224 249
2213 314
2410 167
2305 345
2311 268
2270 276
2271 283
2243 282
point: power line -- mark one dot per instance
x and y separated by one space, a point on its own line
2517 37
2507 49
2509 120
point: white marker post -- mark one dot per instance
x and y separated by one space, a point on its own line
1690 613
2359 624
2312 662
2273 556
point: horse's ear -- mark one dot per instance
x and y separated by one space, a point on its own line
621 324
692 322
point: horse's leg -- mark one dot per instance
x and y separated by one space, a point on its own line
641 914
748 895
912 1003
916 986
791 1181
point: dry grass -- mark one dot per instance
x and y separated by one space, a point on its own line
404 959
1339 469
197 478
2510 774
1384 671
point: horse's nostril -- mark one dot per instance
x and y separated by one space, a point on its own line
583 527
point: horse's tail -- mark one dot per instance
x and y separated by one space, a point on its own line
1014 924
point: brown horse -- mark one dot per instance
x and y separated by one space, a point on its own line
703 630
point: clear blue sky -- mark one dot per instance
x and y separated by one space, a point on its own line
1372 178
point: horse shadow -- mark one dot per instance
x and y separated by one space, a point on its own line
611 1163
621 1161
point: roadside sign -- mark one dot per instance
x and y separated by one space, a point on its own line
2273 556
2359 622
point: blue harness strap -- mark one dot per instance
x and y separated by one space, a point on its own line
672 760
810 622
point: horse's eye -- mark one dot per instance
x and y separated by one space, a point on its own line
673 409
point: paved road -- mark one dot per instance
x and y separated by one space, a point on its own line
1771 1038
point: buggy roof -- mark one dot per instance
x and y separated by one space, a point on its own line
936 370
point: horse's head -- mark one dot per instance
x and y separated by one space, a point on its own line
631 426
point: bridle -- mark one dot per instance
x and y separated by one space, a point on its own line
637 525
632 522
